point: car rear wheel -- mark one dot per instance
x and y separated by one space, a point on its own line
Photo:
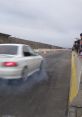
25 74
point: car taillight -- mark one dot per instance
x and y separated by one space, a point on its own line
9 64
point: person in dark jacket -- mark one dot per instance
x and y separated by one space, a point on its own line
76 45
81 36
80 45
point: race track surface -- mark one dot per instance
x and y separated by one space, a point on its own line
45 94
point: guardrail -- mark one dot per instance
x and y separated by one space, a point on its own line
75 94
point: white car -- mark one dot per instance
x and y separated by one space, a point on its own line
18 61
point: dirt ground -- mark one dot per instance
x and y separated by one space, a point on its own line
45 94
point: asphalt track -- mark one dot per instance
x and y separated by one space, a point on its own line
45 94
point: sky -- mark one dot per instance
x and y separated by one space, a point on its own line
56 22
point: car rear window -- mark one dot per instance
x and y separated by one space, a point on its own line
7 49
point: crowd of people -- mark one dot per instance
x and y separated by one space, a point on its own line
77 46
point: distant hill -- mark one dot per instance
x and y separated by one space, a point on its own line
5 38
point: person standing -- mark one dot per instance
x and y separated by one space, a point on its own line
80 44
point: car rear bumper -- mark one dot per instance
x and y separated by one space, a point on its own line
10 73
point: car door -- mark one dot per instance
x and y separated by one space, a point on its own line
30 59
36 58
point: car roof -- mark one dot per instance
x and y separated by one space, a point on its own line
14 44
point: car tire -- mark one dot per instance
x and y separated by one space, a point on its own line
41 66
24 75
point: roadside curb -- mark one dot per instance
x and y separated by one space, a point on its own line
73 91
73 82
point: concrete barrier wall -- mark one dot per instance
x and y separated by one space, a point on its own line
47 50
75 82
76 71
44 52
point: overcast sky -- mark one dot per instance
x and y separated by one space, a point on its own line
55 22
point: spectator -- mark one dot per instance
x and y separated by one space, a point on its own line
80 47
76 45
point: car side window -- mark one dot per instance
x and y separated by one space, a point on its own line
27 51
31 51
